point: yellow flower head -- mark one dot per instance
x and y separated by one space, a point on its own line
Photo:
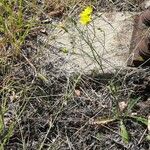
84 20
87 11
85 15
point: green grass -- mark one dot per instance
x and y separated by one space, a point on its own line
14 28
13 24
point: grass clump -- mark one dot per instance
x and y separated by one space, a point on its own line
14 84
14 25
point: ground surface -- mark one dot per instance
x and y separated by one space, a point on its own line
50 99
104 44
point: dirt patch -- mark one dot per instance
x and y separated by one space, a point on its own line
66 118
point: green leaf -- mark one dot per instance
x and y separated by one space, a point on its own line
140 58
98 136
132 103
148 137
123 132
1 124
65 29
42 77
141 119
9 133
64 50
1 146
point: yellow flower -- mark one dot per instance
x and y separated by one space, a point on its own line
85 20
85 15
87 11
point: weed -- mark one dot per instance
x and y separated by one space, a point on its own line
13 25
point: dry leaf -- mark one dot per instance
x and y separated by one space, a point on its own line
13 97
101 121
134 114
122 105
77 92
57 12
148 126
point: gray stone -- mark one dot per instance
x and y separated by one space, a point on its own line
102 45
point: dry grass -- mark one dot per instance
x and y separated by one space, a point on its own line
57 111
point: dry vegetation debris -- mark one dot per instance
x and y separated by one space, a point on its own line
65 112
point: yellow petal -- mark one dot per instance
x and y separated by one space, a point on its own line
85 20
88 10
85 15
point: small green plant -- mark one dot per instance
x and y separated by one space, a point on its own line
123 132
